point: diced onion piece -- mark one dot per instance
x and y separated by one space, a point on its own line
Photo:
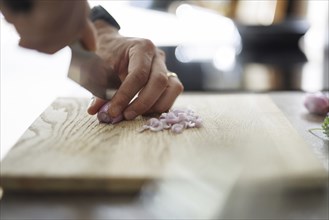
177 128
177 120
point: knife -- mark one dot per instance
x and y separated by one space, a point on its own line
92 72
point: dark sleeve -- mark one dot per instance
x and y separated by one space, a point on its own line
18 5
98 12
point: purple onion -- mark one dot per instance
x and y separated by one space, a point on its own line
317 103
155 124
177 128
104 117
176 120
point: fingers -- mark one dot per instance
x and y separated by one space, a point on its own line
157 83
142 71
168 97
163 103
140 61
95 104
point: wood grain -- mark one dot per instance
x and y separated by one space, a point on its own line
67 149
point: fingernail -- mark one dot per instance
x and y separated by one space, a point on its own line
117 119
130 115
92 102
103 115
114 111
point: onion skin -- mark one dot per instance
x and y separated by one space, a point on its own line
104 117
317 103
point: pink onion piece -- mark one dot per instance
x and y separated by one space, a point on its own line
144 128
104 117
155 124
317 103
177 128
176 120
165 124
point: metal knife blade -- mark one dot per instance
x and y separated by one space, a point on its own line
91 72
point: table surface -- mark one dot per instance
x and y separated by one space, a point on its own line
161 201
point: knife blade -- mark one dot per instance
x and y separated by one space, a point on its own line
92 72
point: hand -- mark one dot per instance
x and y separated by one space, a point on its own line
142 71
51 25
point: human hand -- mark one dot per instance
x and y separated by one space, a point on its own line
142 71
50 25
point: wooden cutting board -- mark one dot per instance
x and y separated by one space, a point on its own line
67 149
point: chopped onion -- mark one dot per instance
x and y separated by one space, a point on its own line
177 128
155 124
176 120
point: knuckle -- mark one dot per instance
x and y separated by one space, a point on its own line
161 53
121 99
141 106
148 45
162 80
179 87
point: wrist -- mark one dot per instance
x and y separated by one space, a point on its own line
104 27
103 21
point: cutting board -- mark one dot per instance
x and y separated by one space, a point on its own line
66 149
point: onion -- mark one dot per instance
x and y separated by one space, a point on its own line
317 103
176 120
104 117
155 124
177 128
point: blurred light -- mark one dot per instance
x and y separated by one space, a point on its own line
160 27
312 77
256 12
189 53
200 26
258 77
182 55
206 36
316 36
314 73
184 10
224 58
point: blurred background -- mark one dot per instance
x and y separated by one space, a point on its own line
234 45
218 46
